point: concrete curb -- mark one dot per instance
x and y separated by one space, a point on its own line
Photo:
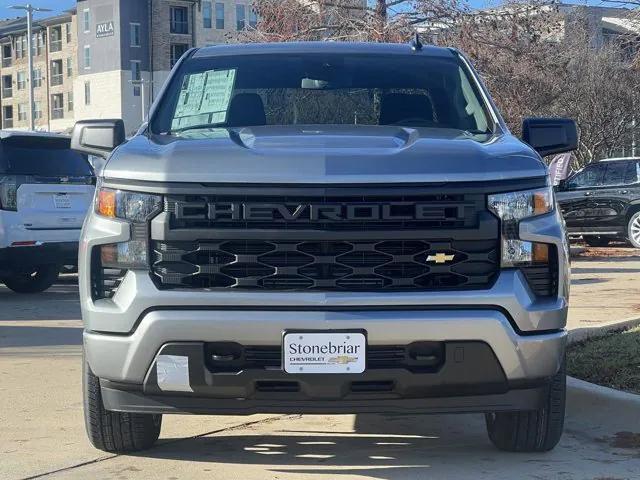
582 387
583 333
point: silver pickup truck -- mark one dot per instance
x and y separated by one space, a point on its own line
324 228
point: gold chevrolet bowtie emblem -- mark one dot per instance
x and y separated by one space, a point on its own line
343 360
440 258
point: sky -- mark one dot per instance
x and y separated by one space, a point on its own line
59 5
56 5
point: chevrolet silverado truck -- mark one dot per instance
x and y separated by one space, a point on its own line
324 228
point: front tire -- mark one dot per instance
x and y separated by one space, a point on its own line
37 280
532 431
115 432
633 230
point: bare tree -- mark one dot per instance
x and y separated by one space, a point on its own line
347 20
536 59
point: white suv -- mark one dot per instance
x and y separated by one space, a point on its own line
45 192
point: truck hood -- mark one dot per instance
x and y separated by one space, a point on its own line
323 155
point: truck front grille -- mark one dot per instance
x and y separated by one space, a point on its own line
327 239
326 265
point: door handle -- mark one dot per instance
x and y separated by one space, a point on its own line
623 192
588 194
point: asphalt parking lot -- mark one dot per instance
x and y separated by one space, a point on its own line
42 431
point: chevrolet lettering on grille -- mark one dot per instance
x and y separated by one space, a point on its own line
316 212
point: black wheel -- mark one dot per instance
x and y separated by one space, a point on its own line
532 431
597 241
633 230
115 432
35 281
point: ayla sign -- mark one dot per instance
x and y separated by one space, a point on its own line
105 29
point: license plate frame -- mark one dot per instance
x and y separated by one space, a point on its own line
341 361
61 201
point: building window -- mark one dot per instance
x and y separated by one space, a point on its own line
22 112
57 106
207 15
136 74
21 46
70 101
22 80
67 29
220 15
136 77
57 76
179 20
135 34
37 44
177 50
6 55
7 116
87 56
37 77
7 86
37 110
69 67
86 20
241 12
55 41
253 18
87 93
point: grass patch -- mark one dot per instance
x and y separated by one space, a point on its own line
612 360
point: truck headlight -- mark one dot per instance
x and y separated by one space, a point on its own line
137 208
512 207
133 206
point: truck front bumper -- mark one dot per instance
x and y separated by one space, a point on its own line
487 366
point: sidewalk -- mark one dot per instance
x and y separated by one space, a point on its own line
605 287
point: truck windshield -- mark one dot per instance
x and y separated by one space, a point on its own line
316 89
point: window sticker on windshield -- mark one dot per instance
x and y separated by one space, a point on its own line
204 98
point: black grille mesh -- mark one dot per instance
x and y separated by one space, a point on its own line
104 281
326 265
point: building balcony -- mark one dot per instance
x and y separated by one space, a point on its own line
7 62
7 123
57 80
56 46
7 92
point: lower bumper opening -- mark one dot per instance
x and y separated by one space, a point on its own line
469 378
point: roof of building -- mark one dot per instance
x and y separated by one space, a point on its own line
18 25
320 47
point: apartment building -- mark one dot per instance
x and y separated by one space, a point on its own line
108 58
54 46
126 49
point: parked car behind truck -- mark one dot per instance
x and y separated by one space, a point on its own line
45 192
601 202
324 228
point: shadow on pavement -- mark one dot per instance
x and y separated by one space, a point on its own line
382 446
580 270
27 336
60 302
588 281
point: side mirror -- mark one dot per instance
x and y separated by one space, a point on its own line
549 136
97 137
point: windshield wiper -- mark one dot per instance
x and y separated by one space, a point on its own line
200 126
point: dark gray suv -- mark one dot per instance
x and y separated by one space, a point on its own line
601 202
324 228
